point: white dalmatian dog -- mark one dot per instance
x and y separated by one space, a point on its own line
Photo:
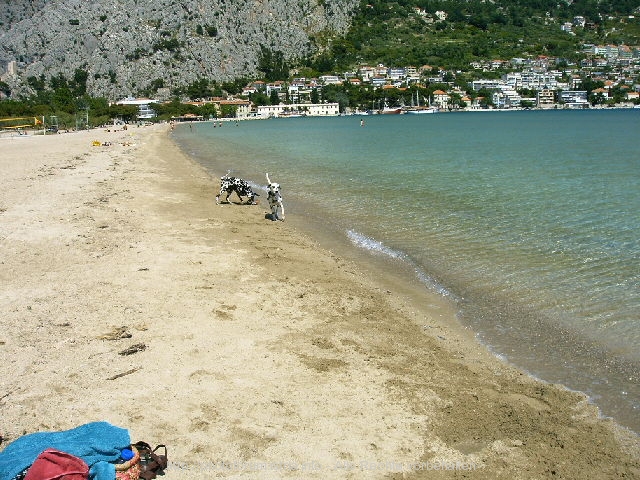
242 188
275 200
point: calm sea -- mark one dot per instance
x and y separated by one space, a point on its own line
529 221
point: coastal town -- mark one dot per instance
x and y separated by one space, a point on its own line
608 77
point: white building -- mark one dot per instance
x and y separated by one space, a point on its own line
144 106
396 73
366 73
330 80
574 98
513 79
306 109
538 80
277 86
378 81
477 85
567 27
579 21
380 70
506 97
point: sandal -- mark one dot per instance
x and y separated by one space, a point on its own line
151 463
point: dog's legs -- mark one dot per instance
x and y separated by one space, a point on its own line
278 205
218 196
237 194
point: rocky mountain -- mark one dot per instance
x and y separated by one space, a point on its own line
125 46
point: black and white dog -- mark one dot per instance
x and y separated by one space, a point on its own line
275 200
241 187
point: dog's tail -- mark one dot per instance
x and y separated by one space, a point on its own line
268 181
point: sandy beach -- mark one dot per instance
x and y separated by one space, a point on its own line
129 296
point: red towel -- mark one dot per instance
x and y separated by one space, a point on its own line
56 465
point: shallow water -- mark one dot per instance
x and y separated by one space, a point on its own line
528 220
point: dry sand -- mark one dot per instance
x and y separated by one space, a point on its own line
257 353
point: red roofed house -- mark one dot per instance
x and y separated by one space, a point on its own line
441 99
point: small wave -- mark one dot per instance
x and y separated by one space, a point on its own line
375 246
372 245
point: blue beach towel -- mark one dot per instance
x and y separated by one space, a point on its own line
97 443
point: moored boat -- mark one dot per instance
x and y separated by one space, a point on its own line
387 110
421 110
391 111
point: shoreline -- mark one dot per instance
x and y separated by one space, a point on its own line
514 330
461 317
260 347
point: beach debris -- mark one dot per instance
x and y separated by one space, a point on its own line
123 374
118 333
138 347
6 395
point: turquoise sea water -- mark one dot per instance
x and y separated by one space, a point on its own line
529 221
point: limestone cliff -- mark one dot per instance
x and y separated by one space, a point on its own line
127 45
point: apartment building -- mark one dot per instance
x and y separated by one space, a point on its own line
574 99
545 98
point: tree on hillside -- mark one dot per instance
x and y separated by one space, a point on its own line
5 89
590 84
78 84
274 99
272 64
199 89
259 99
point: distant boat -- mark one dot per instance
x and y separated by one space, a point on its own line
391 111
420 109
387 110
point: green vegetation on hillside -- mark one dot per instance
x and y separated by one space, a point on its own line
414 32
